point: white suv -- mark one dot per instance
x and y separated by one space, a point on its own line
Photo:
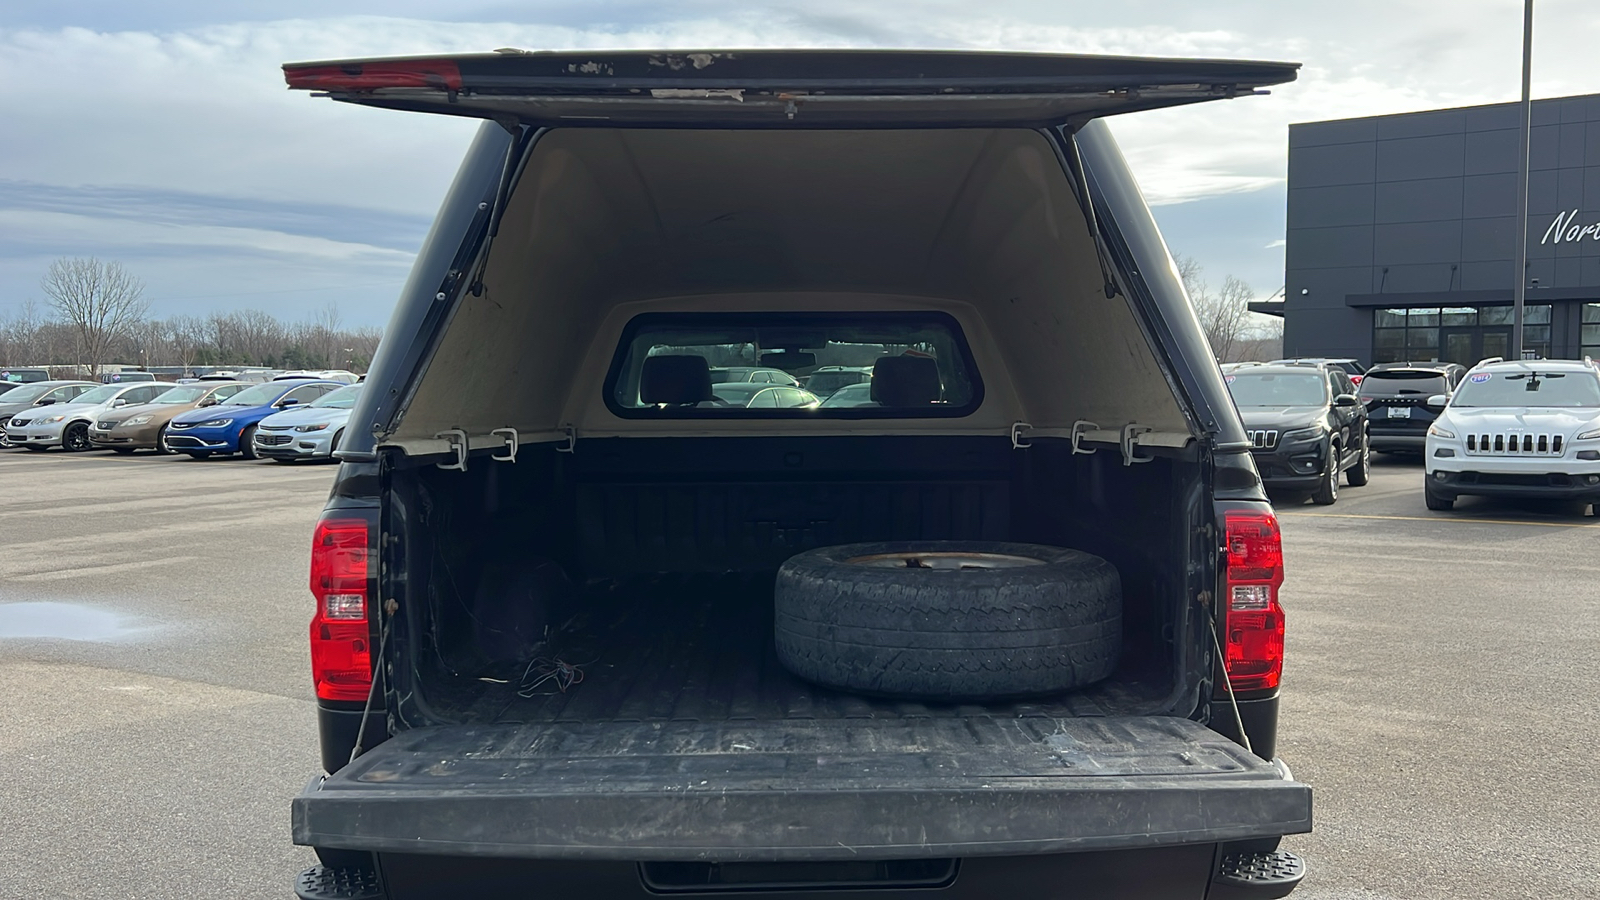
1518 429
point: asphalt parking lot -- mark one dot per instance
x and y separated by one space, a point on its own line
1437 695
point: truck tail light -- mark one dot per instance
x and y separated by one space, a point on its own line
439 74
341 655
1253 619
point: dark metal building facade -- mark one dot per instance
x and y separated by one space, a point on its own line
1401 234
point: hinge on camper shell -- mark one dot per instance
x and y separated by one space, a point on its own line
572 440
1017 428
1080 430
512 440
1130 434
458 445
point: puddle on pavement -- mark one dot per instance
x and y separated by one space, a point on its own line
65 621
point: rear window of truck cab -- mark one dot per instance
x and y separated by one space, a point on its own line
699 365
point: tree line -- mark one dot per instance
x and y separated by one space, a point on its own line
96 315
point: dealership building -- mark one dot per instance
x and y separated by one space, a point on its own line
1401 234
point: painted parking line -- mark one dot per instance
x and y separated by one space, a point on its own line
1451 520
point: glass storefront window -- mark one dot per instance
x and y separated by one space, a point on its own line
1396 318
1536 315
1459 315
1495 315
1591 313
1422 316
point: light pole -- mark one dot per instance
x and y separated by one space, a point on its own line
1520 272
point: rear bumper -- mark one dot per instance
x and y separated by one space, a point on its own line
1093 784
1397 441
1169 872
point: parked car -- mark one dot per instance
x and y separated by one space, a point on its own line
1306 427
66 425
21 375
967 641
307 432
340 375
126 377
827 379
230 426
36 394
1397 399
1526 428
1350 367
145 427
851 395
757 375
760 395
8 385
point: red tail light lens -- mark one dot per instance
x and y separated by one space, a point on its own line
1253 619
341 656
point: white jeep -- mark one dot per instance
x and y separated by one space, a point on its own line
1518 429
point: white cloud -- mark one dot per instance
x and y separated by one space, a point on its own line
1273 245
202 109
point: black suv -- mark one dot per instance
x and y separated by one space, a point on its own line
1396 397
1306 426
1011 627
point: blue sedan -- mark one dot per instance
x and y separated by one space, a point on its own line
230 426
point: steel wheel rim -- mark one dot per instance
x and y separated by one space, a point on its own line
945 560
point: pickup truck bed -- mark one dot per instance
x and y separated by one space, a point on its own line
686 740
699 649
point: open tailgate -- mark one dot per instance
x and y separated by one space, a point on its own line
800 790
804 88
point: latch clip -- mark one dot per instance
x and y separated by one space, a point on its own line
512 440
1130 435
458 445
572 440
1017 429
1080 430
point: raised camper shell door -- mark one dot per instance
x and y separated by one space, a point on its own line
784 88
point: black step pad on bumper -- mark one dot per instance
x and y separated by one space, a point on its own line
1257 876
898 789
338 883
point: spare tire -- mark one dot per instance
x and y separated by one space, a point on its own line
949 620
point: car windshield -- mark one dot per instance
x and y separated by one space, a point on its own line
825 383
98 395
714 365
260 395
188 393
1403 383
1278 388
1528 388
27 393
343 398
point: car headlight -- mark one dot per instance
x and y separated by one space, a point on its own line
1588 435
137 420
49 420
215 423
1303 434
305 428
1435 430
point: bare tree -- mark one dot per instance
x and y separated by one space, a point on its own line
102 302
1224 313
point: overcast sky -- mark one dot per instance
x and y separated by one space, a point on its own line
161 135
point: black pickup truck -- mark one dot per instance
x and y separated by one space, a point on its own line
1007 624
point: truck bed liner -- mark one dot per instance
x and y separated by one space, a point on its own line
700 649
